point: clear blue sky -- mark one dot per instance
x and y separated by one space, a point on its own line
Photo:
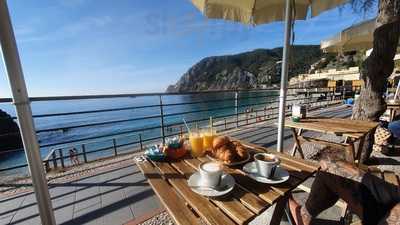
75 47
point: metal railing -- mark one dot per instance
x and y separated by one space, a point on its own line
242 111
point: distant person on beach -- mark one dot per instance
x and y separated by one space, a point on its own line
372 199
73 156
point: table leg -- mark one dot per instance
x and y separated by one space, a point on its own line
350 153
297 144
391 115
278 211
360 149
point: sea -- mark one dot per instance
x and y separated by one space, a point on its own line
99 136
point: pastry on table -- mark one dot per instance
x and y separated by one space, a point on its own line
228 151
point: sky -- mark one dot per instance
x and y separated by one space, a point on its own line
84 47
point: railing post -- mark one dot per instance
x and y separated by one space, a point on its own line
344 93
181 131
162 119
54 156
256 116
237 108
60 152
84 153
141 142
265 113
47 165
115 147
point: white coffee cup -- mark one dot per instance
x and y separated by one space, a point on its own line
210 174
266 163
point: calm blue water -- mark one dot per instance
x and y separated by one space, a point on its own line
54 138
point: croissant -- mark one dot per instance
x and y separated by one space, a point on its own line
225 154
241 151
228 151
220 142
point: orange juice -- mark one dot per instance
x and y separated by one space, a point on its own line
208 139
196 143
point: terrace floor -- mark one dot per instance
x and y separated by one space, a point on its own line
114 196
118 194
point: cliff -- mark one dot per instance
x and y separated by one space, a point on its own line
245 70
10 137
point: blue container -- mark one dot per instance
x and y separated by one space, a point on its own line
155 153
350 101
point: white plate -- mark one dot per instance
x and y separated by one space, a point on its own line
227 185
231 164
280 176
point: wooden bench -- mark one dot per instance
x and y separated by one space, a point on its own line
181 214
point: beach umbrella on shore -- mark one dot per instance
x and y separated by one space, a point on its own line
24 115
356 37
256 12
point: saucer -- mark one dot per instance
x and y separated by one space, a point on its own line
280 176
227 184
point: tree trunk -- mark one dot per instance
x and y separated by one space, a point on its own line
378 67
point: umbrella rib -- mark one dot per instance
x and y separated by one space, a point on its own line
205 7
253 11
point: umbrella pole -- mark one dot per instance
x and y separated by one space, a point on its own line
24 115
284 74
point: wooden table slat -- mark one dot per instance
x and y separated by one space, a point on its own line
264 191
231 206
167 195
250 200
290 184
300 163
208 212
342 127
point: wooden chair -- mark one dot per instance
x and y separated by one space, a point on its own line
388 176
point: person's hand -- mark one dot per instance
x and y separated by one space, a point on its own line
324 164
393 217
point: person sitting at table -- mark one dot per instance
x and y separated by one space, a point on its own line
394 128
372 199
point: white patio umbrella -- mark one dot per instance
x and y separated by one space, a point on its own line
332 44
356 37
24 115
264 11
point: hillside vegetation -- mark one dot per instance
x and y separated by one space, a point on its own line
245 70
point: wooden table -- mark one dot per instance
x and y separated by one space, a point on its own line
392 107
248 199
352 130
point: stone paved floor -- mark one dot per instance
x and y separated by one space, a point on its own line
115 197
120 194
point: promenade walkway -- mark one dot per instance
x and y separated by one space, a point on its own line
118 193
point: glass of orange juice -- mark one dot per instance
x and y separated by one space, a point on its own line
208 138
196 143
